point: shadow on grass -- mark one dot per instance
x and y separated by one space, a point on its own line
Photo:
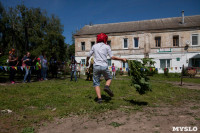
104 98
135 102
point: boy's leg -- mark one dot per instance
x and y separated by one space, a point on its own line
108 82
108 78
96 82
98 91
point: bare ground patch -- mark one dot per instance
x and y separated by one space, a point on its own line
187 85
151 119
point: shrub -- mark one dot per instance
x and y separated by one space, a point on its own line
166 72
139 78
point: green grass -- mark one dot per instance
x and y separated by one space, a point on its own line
34 102
175 78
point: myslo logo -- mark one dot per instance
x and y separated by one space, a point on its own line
185 129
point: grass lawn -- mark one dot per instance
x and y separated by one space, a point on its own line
175 78
34 102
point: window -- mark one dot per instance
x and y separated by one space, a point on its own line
92 43
83 61
109 43
109 62
136 41
158 41
175 41
83 46
194 39
164 63
126 43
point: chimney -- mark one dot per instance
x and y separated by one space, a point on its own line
182 16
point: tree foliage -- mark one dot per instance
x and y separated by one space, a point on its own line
139 77
31 29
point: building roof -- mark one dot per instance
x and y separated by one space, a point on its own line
145 25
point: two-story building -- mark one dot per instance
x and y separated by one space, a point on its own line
171 42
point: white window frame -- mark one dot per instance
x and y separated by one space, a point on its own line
170 63
134 43
197 39
127 43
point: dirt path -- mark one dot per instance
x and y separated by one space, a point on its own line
159 119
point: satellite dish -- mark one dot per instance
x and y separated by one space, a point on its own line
187 42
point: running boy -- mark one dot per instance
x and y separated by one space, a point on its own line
101 50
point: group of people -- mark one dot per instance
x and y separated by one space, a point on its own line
99 64
40 64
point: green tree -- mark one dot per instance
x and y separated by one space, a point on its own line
31 29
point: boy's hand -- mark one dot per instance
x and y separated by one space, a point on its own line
124 59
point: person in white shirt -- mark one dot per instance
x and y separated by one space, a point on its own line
100 51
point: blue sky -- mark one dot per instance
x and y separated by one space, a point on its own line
74 14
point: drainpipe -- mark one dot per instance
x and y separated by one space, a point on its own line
182 16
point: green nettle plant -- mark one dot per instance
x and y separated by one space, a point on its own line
139 77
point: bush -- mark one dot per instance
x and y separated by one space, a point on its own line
121 72
3 60
139 78
191 72
166 72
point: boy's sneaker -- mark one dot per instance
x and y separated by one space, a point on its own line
99 101
108 90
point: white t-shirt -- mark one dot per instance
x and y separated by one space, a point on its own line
100 51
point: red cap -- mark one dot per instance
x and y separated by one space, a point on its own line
102 38
38 58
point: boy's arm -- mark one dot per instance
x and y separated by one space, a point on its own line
117 58
114 57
